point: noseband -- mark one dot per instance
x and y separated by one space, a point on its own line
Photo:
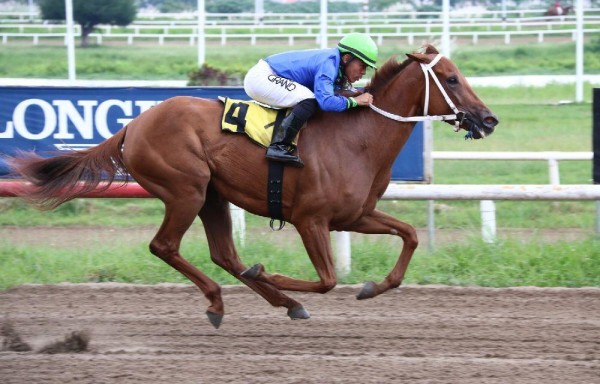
458 116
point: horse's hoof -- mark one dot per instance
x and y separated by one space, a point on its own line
252 272
298 312
214 318
368 291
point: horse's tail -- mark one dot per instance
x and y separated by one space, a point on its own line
64 177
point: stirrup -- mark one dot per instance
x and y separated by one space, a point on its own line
292 160
280 153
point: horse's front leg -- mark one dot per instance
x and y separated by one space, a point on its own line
378 222
315 237
217 224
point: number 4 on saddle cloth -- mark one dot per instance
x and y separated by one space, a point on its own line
252 118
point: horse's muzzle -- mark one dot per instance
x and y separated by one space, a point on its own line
478 126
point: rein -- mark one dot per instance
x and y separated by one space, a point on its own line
428 70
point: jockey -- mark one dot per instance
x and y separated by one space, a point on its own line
558 8
303 80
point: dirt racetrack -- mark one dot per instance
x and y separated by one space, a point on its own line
415 334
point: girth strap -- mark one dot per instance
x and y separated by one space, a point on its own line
274 193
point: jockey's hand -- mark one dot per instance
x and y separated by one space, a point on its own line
364 99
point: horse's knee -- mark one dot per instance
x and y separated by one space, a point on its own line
410 238
162 251
327 285
412 241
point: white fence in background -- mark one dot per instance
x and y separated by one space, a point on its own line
552 157
313 18
485 193
411 38
408 26
494 192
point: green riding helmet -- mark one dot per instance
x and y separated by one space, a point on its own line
361 46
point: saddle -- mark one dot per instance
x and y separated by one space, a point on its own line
258 121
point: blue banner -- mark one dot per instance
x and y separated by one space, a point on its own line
51 119
410 163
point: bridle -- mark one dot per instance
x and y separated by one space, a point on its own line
458 116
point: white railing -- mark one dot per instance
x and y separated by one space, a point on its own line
400 26
487 194
552 157
382 26
411 38
492 192
303 18
487 205
543 192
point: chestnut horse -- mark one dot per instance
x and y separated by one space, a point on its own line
177 152
553 11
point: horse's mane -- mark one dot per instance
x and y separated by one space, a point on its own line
391 68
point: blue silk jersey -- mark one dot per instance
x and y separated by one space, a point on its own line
316 69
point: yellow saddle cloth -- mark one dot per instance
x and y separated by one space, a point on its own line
253 119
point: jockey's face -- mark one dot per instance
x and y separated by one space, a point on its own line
355 69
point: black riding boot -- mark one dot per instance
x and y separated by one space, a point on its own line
282 146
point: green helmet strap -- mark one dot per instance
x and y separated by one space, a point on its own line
347 49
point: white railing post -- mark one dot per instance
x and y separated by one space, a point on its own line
342 253
238 223
430 225
488 220
553 171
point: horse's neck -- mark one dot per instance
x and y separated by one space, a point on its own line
404 96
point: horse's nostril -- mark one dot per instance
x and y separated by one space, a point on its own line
490 121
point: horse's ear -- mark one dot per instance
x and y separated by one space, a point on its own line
431 49
420 57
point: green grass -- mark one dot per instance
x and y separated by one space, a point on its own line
503 264
149 61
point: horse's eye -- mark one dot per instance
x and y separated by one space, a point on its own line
452 80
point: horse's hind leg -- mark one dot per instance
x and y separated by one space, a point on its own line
180 212
216 217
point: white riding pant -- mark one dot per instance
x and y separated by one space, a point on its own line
264 86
